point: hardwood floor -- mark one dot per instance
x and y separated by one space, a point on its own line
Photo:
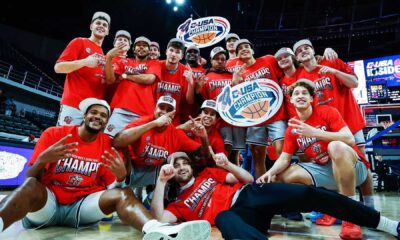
388 203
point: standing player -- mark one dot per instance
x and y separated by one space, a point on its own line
122 43
257 137
233 60
154 51
321 133
134 96
216 78
220 196
176 80
83 62
70 171
151 139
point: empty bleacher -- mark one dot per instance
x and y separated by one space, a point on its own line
19 126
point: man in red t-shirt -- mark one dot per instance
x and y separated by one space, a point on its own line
322 134
83 61
70 171
233 60
134 96
216 78
151 139
176 80
208 118
257 137
122 43
220 196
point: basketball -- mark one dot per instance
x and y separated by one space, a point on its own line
256 110
204 38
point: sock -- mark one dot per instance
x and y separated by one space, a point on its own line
1 224
369 201
149 225
354 197
387 225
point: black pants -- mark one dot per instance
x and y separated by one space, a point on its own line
251 214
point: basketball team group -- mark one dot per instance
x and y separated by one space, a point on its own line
133 125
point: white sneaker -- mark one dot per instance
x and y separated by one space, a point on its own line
193 230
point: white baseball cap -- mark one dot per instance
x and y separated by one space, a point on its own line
215 51
192 47
300 43
209 104
155 44
85 104
167 100
142 39
284 50
124 33
103 16
232 35
242 41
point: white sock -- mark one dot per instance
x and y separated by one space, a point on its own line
369 201
1 224
150 224
354 197
387 225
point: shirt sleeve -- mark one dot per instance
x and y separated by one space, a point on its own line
289 145
119 67
71 52
334 119
154 68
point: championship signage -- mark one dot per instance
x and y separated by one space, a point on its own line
249 103
203 32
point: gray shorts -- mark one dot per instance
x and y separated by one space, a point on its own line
259 136
118 121
234 137
84 212
69 116
359 138
322 175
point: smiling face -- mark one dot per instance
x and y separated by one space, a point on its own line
162 109
99 28
304 53
154 53
184 171
245 51
285 61
301 98
141 50
208 117
96 118
192 56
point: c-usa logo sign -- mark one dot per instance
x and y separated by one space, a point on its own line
203 32
250 103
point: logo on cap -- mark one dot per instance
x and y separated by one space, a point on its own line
203 32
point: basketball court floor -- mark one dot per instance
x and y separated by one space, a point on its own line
387 202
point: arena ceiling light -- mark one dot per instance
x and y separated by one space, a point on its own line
175 8
179 2
168 1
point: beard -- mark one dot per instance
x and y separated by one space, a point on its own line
92 130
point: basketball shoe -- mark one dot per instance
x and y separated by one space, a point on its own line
350 231
193 230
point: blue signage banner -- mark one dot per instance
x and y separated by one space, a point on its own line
383 70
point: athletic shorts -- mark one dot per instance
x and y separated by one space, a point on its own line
359 138
69 116
234 137
83 212
259 135
118 121
322 175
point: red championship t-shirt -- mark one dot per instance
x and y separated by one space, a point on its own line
325 118
85 82
232 64
111 88
216 142
206 198
135 97
193 109
285 83
173 83
214 83
266 67
332 92
71 178
153 147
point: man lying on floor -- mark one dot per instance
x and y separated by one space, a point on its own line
224 197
